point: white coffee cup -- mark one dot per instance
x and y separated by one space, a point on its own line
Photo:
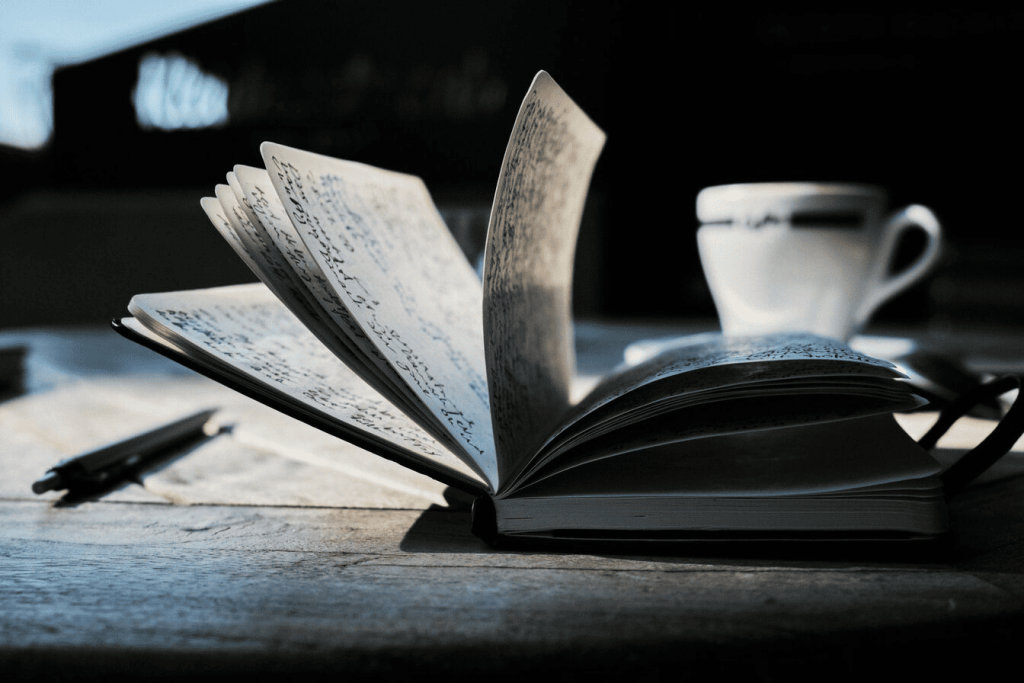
805 256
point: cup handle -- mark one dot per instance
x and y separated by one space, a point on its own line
885 286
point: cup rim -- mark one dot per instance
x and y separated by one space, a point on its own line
712 200
797 187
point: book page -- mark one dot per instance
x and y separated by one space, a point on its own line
215 212
299 284
868 455
528 263
378 239
266 262
713 361
668 396
248 335
719 385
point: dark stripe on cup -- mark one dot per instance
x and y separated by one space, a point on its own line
827 219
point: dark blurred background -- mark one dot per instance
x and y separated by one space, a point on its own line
923 104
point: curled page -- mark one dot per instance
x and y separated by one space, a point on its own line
531 242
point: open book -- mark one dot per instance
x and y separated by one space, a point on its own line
370 324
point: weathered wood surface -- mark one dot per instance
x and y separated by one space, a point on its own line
132 585
115 586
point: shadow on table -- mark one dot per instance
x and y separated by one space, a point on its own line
89 492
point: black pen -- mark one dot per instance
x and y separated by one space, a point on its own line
104 464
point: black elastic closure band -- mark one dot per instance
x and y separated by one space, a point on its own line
994 446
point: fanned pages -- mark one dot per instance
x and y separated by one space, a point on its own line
310 296
245 332
384 249
369 323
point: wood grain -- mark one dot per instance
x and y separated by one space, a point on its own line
327 590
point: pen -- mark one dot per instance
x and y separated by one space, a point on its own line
103 464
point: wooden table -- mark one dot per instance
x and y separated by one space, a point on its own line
134 584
